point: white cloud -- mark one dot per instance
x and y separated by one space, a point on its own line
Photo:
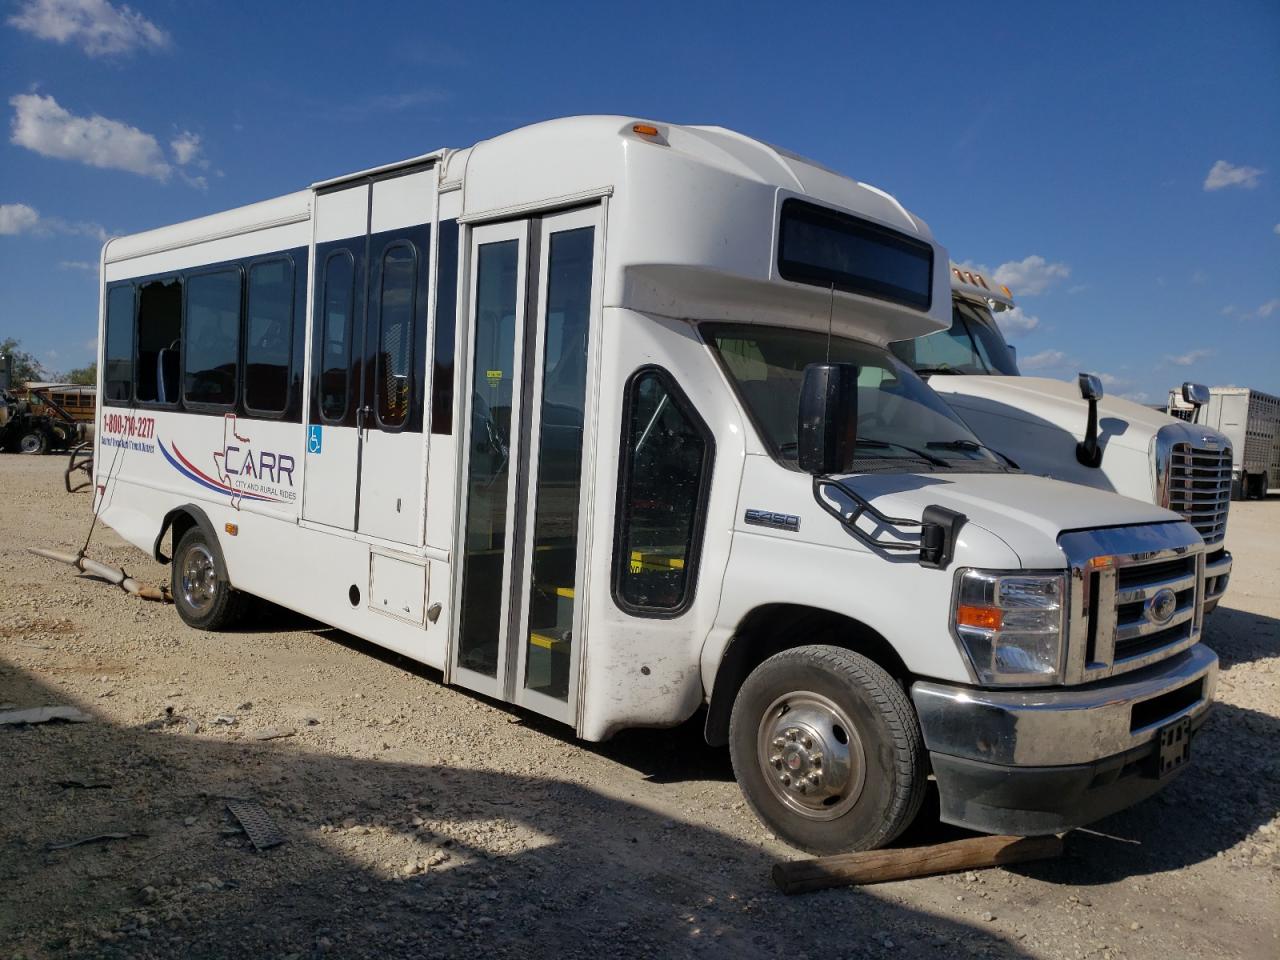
17 218
1188 358
1044 360
1268 308
1276 228
1139 396
85 265
186 148
42 125
96 26
1015 321
1030 276
1111 381
20 218
1229 309
1223 174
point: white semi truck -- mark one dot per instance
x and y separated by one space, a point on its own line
1250 419
1071 431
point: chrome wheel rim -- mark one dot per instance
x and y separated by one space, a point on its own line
811 755
31 443
199 578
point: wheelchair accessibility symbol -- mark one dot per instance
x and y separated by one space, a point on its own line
314 439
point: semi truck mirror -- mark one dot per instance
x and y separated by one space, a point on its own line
1196 394
827 425
1087 451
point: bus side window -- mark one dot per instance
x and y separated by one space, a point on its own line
213 338
395 333
268 337
667 454
117 380
159 340
335 338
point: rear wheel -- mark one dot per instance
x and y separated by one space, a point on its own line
827 750
33 442
201 591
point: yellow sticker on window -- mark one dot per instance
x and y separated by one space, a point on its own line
494 377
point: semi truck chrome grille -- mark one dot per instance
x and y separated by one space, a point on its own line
1200 488
1135 597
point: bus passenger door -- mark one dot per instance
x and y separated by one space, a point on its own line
534 307
366 456
393 448
337 328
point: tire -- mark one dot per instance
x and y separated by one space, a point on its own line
868 788
201 591
33 442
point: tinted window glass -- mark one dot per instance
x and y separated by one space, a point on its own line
489 467
268 336
825 247
335 340
446 320
395 334
666 467
213 338
117 379
553 584
159 341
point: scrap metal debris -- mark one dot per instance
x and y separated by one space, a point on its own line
96 838
274 733
257 823
113 575
70 782
44 715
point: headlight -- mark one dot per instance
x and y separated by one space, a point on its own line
1011 625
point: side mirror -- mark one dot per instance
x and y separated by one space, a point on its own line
1196 394
1090 387
1088 452
1013 352
827 427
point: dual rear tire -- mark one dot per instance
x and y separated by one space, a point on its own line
827 750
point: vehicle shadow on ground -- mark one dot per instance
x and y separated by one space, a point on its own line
569 872
1191 809
1241 636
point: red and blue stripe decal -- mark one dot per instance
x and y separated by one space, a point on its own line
195 474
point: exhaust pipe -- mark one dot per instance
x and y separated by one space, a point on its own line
110 574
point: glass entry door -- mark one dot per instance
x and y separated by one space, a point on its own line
533 304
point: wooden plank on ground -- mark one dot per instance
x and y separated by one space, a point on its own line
878 866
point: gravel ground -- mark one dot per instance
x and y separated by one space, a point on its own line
422 821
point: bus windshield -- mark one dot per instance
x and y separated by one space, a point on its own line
972 344
900 420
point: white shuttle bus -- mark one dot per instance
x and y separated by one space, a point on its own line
598 418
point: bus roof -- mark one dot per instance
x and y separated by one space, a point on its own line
700 203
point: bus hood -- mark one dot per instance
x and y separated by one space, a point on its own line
1025 511
1037 400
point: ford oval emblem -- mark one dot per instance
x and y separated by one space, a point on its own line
1162 606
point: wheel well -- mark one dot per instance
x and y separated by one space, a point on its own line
776 627
180 520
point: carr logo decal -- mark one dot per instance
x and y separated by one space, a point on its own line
240 470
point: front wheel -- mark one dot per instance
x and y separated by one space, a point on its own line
33 442
201 591
827 750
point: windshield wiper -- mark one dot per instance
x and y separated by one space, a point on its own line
970 446
928 371
886 444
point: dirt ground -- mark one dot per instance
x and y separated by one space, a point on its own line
422 821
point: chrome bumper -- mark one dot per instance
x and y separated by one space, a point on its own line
1216 574
1064 725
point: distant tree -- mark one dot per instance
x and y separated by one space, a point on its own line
25 366
85 376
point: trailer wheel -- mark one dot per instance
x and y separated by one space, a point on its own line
204 597
827 750
34 442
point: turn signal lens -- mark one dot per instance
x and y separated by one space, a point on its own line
985 618
645 129
231 528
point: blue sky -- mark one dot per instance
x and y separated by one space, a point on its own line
1117 164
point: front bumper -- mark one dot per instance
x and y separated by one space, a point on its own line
1042 761
1217 571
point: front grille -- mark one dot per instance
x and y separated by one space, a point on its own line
1136 597
1200 488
